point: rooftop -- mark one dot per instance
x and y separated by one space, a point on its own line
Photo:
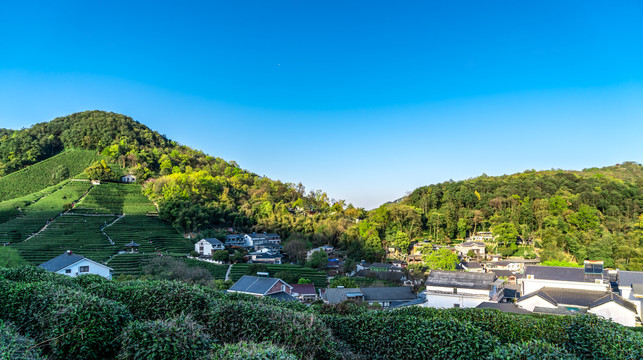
559 273
468 280
628 278
214 241
584 298
254 285
304 289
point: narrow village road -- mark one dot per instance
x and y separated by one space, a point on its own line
227 274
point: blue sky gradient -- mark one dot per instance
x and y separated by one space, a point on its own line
365 100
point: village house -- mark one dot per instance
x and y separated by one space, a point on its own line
483 236
265 256
325 248
207 247
129 178
593 277
263 286
505 265
478 248
273 238
73 265
304 292
471 266
569 301
630 286
236 240
386 297
447 289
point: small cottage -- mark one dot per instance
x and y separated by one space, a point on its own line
73 265
207 247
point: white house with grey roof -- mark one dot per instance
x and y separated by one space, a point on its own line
448 289
262 286
630 286
566 301
593 279
73 265
208 246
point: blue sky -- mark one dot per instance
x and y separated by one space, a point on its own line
365 100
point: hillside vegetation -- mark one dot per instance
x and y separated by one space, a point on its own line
45 173
171 320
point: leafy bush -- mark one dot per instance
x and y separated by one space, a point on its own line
14 346
591 337
383 335
72 324
532 350
179 338
252 351
305 334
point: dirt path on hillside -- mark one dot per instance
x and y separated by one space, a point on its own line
102 229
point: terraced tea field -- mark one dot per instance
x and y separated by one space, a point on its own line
150 232
114 198
39 176
80 234
37 209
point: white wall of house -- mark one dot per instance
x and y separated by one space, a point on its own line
449 301
460 291
531 285
616 312
205 248
73 270
535 301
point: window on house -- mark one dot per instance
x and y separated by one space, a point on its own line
456 305
67 271
83 269
283 287
455 290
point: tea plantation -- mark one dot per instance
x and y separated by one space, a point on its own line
171 320
45 173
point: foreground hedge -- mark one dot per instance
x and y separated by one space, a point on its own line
70 324
252 351
385 335
14 346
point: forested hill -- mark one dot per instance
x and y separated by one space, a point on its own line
195 191
593 213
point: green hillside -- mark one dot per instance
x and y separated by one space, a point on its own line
45 173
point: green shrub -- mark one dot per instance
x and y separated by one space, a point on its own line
384 335
15 347
178 338
532 350
252 351
71 324
30 273
591 337
305 334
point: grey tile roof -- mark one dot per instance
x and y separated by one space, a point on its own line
508 307
399 293
61 261
132 244
503 273
282 296
468 280
584 298
304 289
563 274
471 265
338 295
381 265
627 278
472 243
253 284
214 241
617 299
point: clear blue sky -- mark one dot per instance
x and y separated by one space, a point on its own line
366 100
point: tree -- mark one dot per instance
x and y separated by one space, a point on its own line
402 241
442 259
100 171
349 266
343 281
221 255
304 281
295 248
60 173
318 260
463 226
10 257
505 233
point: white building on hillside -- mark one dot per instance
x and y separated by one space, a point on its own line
630 285
447 289
71 264
208 246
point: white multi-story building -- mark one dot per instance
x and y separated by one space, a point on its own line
447 289
208 246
